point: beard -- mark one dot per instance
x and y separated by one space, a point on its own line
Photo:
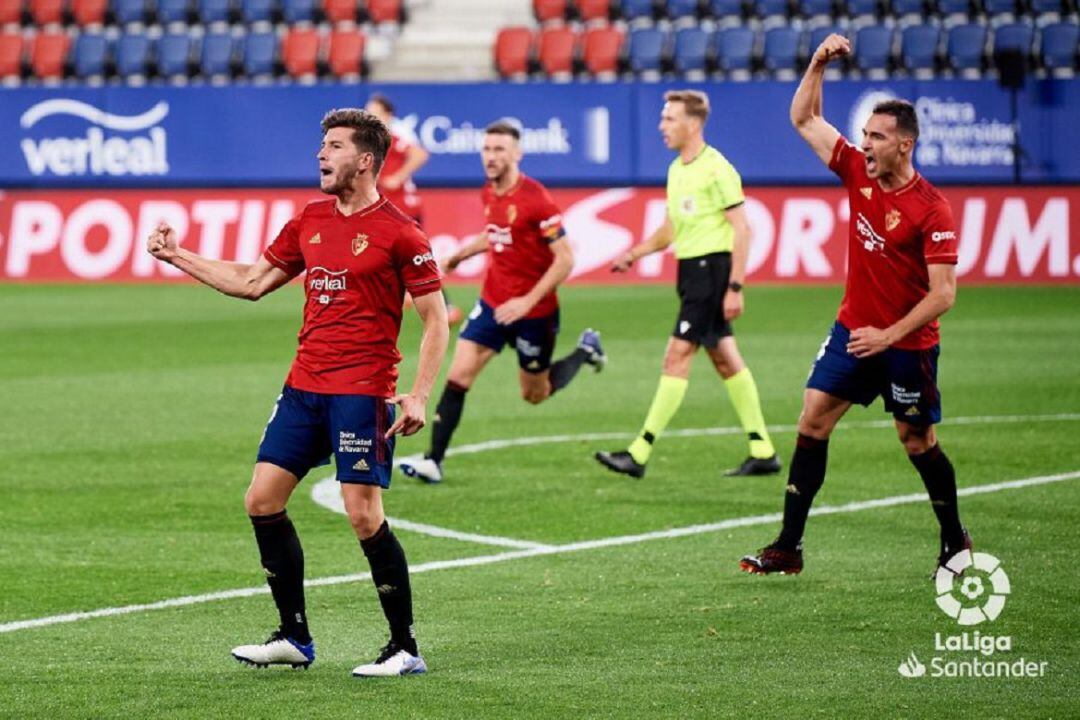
344 181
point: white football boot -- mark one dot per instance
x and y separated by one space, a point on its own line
277 650
422 468
393 661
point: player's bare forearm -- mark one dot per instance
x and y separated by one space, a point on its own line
806 105
228 278
436 336
558 271
476 246
740 249
938 301
662 237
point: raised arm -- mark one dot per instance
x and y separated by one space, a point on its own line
806 114
432 310
239 280
659 240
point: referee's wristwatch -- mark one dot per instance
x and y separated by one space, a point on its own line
734 286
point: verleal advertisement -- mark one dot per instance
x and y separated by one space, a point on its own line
1021 235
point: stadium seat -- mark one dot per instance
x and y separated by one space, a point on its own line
864 9
216 56
555 51
734 51
10 12
129 12
345 56
683 12
213 11
1048 9
909 9
816 9
919 49
600 51
384 11
1015 36
257 11
967 48
781 52
170 12
47 12
1000 9
260 52
691 49
340 11
873 49
726 12
87 12
818 35
132 56
645 50
300 52
174 55
593 11
513 45
549 11
1058 48
766 9
48 55
11 56
954 8
298 11
638 11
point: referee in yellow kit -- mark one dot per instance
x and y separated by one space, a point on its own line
706 219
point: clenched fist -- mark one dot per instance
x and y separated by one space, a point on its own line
834 46
162 242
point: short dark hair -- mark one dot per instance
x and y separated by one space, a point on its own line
907 121
695 102
381 99
370 134
503 127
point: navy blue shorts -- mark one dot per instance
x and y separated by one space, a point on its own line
305 428
905 379
533 338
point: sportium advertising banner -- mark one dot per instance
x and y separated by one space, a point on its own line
1023 235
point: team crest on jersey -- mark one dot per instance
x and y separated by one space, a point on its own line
315 239
688 205
892 219
359 244
867 192
511 214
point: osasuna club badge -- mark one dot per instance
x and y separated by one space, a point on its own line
359 244
892 219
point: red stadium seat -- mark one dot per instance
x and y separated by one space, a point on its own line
46 12
601 50
556 50
384 11
11 55
340 11
346 55
10 12
48 55
512 48
300 52
89 12
549 11
594 10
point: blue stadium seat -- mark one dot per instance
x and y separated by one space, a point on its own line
966 48
260 50
173 11
216 57
1015 36
691 50
129 12
1000 8
1059 43
1048 7
873 48
685 10
253 11
954 7
297 11
862 8
726 10
645 50
174 55
213 11
89 54
734 50
919 48
132 55
781 53
771 8
637 10
810 9
818 35
905 8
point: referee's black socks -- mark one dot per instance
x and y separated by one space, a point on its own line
805 478
940 480
283 562
390 573
447 417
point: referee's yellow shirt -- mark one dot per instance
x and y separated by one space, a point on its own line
698 193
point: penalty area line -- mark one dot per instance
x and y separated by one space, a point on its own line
538 551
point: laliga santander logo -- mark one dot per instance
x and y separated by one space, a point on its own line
972 587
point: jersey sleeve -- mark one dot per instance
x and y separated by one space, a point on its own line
845 157
548 218
940 241
415 262
284 253
728 186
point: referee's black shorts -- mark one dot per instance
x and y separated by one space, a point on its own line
702 283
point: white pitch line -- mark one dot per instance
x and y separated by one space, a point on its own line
537 551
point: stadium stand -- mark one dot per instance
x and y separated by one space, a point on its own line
645 52
340 12
89 56
726 12
555 52
129 12
216 56
781 52
300 53
257 11
1019 36
1058 48
513 48
173 12
873 50
132 57
12 48
733 49
550 11
298 11
383 12
683 12
174 57
638 11
47 12
966 49
88 13
600 51
10 13
48 55
919 47
594 11
345 54
260 54
816 11
690 54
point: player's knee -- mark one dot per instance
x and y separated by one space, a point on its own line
365 522
534 396
916 440
815 426
257 503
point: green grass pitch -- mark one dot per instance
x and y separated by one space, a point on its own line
130 415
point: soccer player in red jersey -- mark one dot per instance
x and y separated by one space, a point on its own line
902 253
529 256
404 158
360 254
